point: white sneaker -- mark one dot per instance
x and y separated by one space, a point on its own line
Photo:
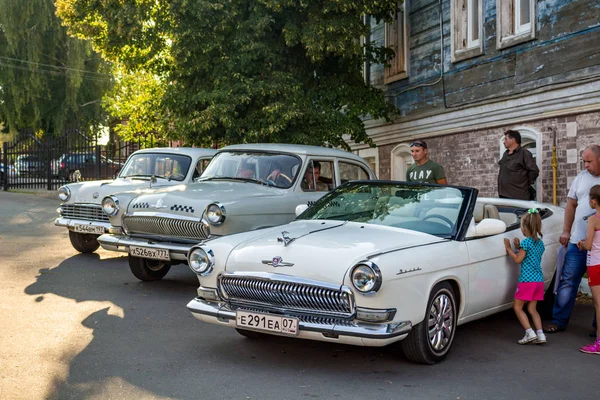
528 338
541 339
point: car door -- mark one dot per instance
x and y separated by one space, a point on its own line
492 274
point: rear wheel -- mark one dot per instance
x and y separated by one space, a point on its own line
430 341
148 270
83 242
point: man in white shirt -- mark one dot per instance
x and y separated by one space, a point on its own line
574 230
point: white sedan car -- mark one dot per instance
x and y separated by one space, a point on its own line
145 170
372 263
245 187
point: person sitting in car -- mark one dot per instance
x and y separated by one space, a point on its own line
311 178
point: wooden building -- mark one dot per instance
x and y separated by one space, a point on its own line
465 71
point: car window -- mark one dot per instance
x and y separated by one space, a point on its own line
436 210
352 172
273 169
167 166
318 176
200 167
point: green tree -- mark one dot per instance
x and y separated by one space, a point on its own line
48 80
239 70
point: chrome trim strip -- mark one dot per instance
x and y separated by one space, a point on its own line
177 251
161 215
70 223
355 328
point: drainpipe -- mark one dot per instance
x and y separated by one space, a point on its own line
554 166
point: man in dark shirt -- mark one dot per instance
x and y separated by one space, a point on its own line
518 170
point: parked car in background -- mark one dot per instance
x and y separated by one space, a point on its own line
87 164
9 171
145 170
245 187
370 264
27 165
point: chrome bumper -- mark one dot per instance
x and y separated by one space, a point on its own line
177 251
70 223
372 334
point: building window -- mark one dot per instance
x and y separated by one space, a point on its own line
395 39
466 29
515 21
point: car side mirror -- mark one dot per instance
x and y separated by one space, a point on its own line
487 227
300 209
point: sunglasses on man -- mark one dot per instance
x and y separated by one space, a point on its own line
419 144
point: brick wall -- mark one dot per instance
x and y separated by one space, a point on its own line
471 158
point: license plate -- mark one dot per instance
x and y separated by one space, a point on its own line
96 230
144 252
269 323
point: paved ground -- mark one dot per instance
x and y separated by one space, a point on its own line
82 327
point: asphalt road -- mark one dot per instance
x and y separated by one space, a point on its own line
81 326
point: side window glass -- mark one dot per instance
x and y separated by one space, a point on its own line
351 172
318 176
200 167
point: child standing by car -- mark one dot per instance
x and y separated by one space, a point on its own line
592 245
530 288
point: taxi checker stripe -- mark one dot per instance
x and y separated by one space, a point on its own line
141 205
177 207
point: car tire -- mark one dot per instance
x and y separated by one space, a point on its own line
83 242
429 346
251 334
148 270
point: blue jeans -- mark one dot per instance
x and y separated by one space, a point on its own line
573 270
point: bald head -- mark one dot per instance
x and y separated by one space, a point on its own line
591 159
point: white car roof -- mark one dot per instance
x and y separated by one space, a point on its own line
299 149
188 151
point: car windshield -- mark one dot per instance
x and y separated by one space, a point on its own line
167 166
271 169
431 209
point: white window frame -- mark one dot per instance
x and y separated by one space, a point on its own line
401 68
509 30
470 41
463 46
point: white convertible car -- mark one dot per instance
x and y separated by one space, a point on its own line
145 170
245 187
372 263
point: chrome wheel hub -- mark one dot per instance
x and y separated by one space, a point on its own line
440 322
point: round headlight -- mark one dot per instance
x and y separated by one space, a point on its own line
201 261
366 277
64 193
215 214
110 205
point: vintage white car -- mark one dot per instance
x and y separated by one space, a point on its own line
245 187
372 263
145 170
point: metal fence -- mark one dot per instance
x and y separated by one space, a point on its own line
30 162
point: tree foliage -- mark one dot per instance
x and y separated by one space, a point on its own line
47 79
230 71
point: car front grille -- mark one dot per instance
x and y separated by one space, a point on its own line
271 294
162 226
88 212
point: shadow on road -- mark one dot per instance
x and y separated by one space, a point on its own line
156 348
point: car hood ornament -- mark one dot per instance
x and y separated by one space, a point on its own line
285 239
159 204
277 262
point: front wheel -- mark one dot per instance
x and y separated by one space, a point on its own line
429 341
148 270
84 242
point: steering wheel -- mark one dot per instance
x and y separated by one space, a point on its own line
271 178
438 216
177 177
